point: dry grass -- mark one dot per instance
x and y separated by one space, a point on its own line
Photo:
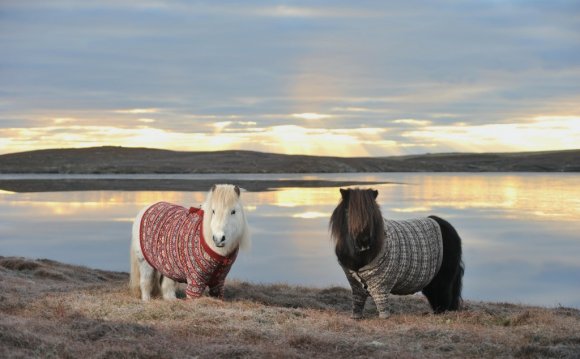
49 309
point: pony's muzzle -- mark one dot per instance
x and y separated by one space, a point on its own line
219 241
362 244
363 249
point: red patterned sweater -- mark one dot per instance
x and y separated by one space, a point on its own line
172 242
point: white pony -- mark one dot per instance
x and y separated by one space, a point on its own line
196 246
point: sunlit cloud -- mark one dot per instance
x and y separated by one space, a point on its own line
284 139
62 120
211 117
352 109
220 126
444 115
410 121
539 133
137 111
88 136
311 116
293 139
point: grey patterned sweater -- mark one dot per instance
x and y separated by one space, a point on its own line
410 258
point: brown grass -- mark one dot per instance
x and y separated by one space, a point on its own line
53 310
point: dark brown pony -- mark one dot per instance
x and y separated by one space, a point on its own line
357 228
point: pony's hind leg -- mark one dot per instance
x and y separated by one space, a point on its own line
143 275
439 294
168 288
148 280
135 277
444 291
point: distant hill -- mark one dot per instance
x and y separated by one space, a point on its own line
109 159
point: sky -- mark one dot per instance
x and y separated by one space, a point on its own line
341 78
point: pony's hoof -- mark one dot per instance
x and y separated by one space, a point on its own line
384 315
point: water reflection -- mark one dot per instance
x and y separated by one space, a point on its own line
520 231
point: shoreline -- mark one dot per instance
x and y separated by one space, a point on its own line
64 185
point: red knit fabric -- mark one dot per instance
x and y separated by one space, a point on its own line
172 242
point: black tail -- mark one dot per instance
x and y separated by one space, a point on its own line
444 291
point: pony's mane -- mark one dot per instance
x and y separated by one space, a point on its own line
362 211
356 212
225 195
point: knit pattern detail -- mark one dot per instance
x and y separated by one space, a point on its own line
409 260
172 242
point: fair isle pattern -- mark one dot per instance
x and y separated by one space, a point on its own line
172 242
410 258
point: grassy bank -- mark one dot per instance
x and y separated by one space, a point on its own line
50 309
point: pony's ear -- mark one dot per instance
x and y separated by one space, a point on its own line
213 188
344 193
237 189
375 193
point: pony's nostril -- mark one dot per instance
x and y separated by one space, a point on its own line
218 239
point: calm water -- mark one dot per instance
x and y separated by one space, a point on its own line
521 232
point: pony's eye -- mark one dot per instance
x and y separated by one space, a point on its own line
213 211
233 211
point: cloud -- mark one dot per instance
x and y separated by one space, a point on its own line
540 133
283 11
339 66
311 116
137 111
412 122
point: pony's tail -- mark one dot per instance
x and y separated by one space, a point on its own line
135 278
456 299
444 292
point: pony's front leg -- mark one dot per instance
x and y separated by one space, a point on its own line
168 288
359 294
217 291
380 298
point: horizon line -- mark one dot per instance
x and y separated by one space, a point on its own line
286 154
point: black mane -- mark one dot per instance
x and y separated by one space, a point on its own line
356 219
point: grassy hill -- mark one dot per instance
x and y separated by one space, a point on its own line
144 160
54 310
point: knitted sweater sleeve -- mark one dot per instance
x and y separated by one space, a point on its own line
194 289
381 280
216 285
359 293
